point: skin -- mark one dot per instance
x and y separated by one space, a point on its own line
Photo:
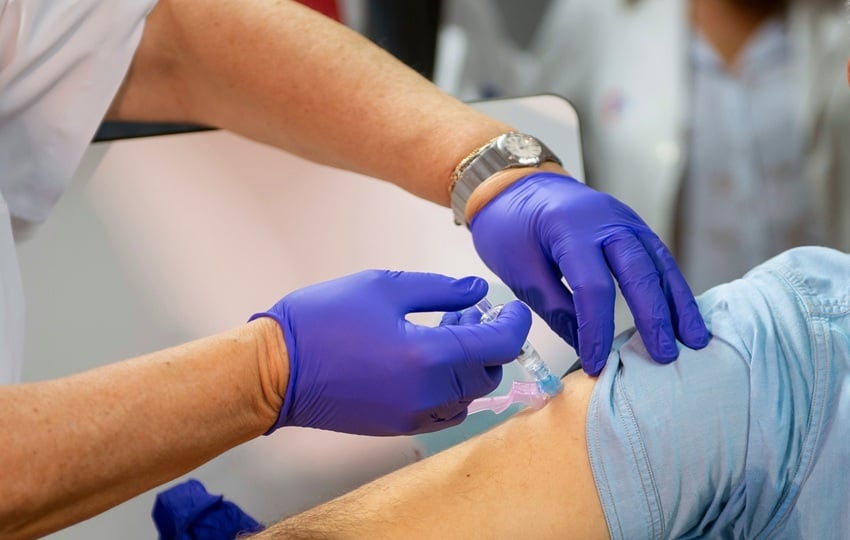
192 67
81 444
529 477
244 66
729 24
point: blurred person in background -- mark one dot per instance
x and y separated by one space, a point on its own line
719 121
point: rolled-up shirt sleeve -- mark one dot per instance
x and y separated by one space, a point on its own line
746 438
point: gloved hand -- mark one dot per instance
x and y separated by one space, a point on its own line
356 364
549 225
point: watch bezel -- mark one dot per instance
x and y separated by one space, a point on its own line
513 152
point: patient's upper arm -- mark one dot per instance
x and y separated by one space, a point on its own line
527 478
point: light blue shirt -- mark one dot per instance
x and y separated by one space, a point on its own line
746 438
744 197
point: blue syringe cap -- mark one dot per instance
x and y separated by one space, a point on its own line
551 386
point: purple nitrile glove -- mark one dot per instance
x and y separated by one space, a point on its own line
549 225
356 364
188 512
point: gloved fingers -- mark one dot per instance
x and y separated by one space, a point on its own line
475 380
470 316
450 318
547 295
461 318
419 291
560 309
640 282
444 417
491 344
593 294
687 318
501 340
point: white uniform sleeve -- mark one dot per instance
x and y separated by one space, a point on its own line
61 63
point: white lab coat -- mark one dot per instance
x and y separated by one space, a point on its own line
601 53
61 63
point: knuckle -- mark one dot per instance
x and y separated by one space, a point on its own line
597 287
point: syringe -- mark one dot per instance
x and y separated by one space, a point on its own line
528 357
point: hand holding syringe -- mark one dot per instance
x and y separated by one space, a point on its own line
532 394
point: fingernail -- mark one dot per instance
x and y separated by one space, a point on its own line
668 353
669 346
470 284
475 285
702 340
665 361
699 333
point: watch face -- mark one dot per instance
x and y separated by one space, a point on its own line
526 150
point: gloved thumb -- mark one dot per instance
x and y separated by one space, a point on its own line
499 341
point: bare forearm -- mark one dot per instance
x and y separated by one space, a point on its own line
527 478
281 74
76 446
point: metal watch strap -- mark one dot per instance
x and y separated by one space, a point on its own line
480 165
472 177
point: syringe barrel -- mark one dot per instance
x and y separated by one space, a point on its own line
488 311
528 357
531 361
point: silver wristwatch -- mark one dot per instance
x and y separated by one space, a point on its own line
509 150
